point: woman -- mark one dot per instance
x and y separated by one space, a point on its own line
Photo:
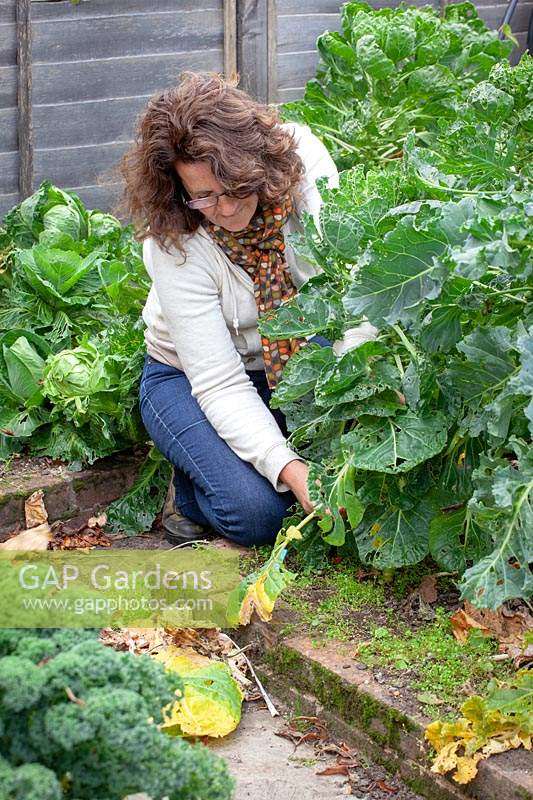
215 183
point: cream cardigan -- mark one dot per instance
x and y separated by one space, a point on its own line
201 317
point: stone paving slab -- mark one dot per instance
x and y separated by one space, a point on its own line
67 495
268 767
323 678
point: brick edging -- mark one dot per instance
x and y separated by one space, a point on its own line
68 495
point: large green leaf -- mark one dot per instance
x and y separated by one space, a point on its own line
406 267
24 368
503 504
486 368
20 424
456 541
372 59
53 274
523 382
396 536
441 328
335 498
301 317
352 368
396 444
135 511
301 373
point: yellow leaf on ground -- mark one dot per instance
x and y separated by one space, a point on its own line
493 724
211 700
447 758
466 768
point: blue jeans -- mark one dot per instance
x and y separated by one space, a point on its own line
214 487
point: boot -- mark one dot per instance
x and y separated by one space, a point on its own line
179 529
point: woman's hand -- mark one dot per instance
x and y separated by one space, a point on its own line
294 474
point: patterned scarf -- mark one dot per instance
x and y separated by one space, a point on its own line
259 249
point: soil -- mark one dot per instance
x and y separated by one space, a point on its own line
18 467
398 615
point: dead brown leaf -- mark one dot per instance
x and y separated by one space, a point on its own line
36 538
81 538
463 623
72 697
521 657
210 642
34 510
97 522
337 769
384 787
135 640
507 624
315 731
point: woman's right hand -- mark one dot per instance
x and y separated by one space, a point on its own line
295 474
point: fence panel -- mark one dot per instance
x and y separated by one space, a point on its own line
94 65
9 161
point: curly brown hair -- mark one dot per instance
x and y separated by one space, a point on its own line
203 117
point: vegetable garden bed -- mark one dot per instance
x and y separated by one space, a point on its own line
419 440
320 676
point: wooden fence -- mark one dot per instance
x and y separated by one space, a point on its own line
73 78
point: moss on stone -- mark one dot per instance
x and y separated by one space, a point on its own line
348 701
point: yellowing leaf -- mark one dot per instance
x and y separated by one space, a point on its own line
447 758
259 591
211 700
493 724
36 538
466 768
34 510
292 532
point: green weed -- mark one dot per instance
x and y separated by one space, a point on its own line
440 669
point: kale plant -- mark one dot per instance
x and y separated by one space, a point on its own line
81 723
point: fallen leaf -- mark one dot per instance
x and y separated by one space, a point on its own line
507 625
72 697
81 538
429 699
493 724
211 700
337 769
522 657
384 787
97 522
36 538
34 510
467 768
463 623
135 640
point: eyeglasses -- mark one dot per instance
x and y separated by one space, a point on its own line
211 200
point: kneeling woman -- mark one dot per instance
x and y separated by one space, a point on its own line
214 183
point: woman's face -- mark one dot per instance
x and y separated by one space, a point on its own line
231 213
